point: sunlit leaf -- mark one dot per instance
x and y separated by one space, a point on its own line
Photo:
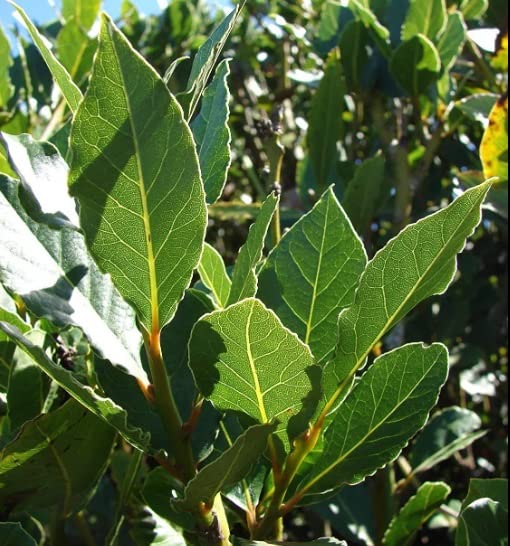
494 146
136 176
214 275
417 511
70 91
379 416
57 279
243 359
244 279
426 18
313 273
418 263
212 135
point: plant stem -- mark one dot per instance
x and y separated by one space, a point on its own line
275 152
167 408
271 525
212 522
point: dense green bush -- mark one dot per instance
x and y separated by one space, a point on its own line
308 377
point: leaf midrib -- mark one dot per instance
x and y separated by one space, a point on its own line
309 326
341 459
418 284
153 283
251 360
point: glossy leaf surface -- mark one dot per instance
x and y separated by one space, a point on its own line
483 519
418 263
446 433
417 511
380 415
135 173
43 173
204 62
452 40
55 276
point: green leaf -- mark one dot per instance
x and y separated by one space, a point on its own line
313 273
494 146
326 125
474 9
415 64
452 40
426 18
328 30
57 458
484 522
25 396
43 174
417 511
228 469
362 196
446 433
148 529
212 135
418 263
82 12
214 275
102 407
13 534
6 87
351 512
138 185
379 33
243 359
76 50
478 107
244 279
380 415
495 489
353 45
159 491
56 278
204 62
68 88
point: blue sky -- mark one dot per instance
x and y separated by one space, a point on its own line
41 11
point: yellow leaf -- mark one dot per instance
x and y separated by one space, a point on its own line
494 147
500 60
